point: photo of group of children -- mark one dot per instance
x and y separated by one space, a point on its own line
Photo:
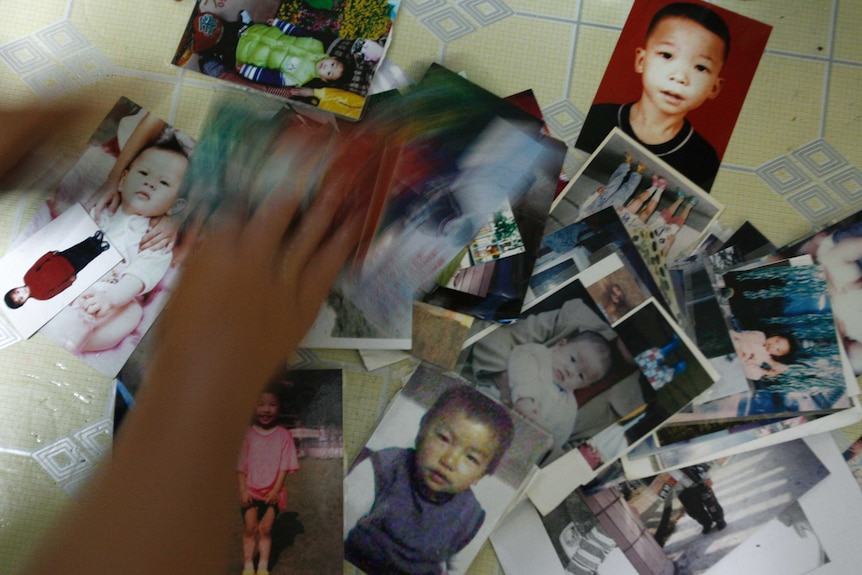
321 53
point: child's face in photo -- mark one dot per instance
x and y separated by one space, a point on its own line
578 363
777 346
151 184
455 452
616 294
680 66
266 411
330 69
20 294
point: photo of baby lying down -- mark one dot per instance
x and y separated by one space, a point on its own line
561 366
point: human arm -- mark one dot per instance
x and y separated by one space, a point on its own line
272 495
211 360
101 302
244 496
27 127
265 75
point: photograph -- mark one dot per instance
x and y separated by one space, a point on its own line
568 251
490 278
322 54
783 329
52 268
853 457
645 190
289 478
583 546
802 548
698 514
438 334
705 323
561 365
780 321
676 82
436 476
618 291
672 372
129 179
837 249
454 170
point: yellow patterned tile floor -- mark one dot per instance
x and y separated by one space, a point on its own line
792 163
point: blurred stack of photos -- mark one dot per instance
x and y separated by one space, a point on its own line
602 380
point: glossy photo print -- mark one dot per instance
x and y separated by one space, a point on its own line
676 83
435 477
322 54
129 179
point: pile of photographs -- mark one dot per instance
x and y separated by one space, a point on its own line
604 380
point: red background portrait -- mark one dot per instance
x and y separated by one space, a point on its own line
716 118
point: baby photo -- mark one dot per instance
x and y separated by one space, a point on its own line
129 180
646 192
561 366
435 478
323 53
52 267
676 83
289 478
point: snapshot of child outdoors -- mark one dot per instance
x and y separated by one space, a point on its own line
288 475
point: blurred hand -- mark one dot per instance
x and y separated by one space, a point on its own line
251 290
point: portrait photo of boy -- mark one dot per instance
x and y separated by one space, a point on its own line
424 500
676 83
42 274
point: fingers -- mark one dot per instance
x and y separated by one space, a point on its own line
326 263
314 226
271 219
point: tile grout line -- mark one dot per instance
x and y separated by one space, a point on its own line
827 78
